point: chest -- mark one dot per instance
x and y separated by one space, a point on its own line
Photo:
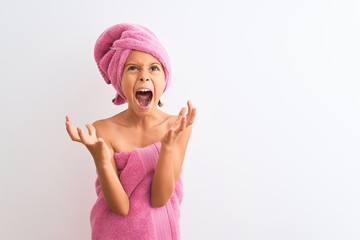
126 139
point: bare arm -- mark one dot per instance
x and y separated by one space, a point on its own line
114 193
172 154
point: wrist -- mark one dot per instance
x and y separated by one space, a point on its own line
167 146
103 165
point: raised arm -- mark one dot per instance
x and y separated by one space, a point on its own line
113 192
172 154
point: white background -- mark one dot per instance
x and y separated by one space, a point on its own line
275 149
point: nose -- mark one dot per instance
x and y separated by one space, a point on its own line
144 78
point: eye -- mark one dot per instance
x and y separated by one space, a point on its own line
154 68
132 68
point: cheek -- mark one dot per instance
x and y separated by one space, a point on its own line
126 86
160 85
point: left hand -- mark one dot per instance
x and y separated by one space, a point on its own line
183 121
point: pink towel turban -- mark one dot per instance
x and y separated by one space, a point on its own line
113 47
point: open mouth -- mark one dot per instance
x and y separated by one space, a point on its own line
144 97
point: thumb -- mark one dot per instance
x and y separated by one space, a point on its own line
101 142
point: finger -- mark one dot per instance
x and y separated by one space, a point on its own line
181 114
101 141
67 117
82 136
171 133
190 120
72 131
183 111
182 126
91 129
190 109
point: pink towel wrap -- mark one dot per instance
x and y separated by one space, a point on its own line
113 47
136 171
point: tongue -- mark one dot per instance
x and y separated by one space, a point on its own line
143 98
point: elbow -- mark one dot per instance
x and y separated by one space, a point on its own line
121 211
161 195
157 203
160 200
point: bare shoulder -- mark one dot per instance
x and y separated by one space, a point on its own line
102 126
168 120
105 128
108 123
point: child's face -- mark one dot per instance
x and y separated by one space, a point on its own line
143 81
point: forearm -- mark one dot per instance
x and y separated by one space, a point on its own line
113 192
167 172
172 154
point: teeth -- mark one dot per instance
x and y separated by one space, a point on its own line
143 90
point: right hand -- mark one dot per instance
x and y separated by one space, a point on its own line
96 146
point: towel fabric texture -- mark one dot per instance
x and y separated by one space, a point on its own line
136 171
113 47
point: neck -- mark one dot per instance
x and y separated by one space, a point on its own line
143 122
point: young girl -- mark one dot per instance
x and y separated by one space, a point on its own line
139 152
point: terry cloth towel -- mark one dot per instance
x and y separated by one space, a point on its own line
113 47
136 171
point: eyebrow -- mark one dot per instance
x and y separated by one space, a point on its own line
130 64
153 63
